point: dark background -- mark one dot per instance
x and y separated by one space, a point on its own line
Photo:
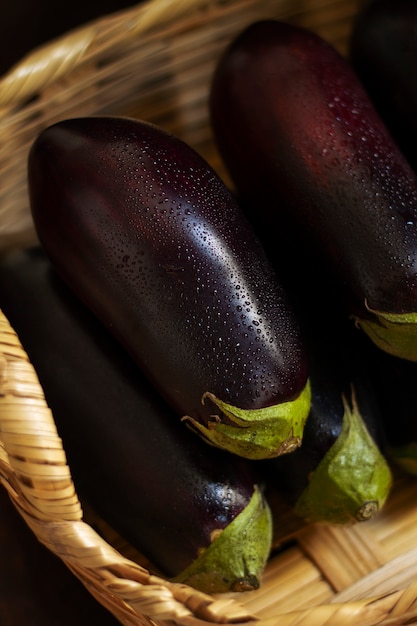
25 24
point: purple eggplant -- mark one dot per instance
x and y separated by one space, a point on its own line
311 159
195 511
383 51
340 473
149 237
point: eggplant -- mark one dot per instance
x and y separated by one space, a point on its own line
340 473
151 239
383 52
195 511
313 162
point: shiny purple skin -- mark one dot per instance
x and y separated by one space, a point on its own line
302 140
149 237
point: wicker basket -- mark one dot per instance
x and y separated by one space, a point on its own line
154 62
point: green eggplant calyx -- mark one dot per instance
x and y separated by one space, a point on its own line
395 333
405 457
237 556
258 433
353 479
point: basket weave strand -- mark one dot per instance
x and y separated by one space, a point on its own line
154 61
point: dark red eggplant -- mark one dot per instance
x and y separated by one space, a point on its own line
311 158
383 51
195 511
149 237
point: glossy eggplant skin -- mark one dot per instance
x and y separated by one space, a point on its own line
310 156
147 475
383 51
150 238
